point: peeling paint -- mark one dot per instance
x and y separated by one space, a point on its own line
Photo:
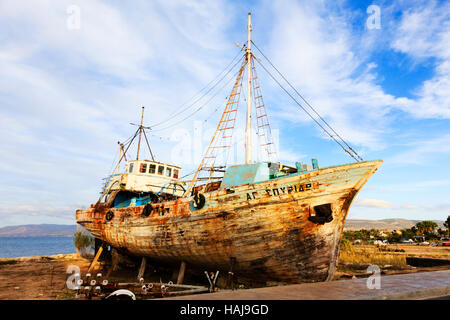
268 233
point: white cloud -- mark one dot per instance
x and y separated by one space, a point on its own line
318 49
372 203
37 213
106 42
424 32
67 96
318 52
419 152
410 206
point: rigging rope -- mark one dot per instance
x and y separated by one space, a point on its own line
202 106
355 154
306 111
204 94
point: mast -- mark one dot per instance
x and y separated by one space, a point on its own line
140 133
248 129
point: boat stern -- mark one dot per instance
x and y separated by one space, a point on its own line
90 220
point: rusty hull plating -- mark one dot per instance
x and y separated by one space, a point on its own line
275 230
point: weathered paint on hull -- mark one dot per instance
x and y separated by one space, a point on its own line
264 226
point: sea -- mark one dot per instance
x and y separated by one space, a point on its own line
12 247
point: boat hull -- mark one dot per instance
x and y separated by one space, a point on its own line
267 230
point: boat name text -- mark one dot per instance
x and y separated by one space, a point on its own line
273 192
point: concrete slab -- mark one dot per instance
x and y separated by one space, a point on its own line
403 286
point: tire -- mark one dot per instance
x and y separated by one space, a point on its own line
199 201
147 210
109 215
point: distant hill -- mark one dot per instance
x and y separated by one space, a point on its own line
53 230
38 230
384 224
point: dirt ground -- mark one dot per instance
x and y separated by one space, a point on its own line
345 271
413 250
37 278
44 278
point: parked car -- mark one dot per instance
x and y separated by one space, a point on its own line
445 242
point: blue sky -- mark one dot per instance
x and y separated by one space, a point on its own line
67 95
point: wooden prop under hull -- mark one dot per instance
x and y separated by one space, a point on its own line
276 230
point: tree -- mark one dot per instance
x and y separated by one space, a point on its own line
408 233
424 227
394 237
447 224
83 241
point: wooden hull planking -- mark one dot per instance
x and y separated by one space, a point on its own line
265 227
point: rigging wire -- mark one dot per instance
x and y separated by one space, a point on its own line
204 94
203 121
112 167
186 175
306 111
208 118
219 153
127 142
260 125
325 122
202 106
117 157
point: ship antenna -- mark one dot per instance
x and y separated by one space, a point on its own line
140 133
141 130
126 145
248 131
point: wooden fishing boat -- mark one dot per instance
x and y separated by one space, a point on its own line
262 220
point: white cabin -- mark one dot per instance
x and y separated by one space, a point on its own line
148 176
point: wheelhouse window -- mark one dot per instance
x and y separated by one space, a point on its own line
168 172
131 168
152 169
143 168
175 173
160 170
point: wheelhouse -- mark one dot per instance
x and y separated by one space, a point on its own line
143 181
